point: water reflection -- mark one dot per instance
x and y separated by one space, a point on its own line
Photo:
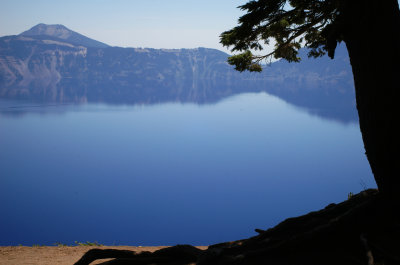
334 105
170 173
322 87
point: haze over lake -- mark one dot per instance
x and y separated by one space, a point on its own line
169 173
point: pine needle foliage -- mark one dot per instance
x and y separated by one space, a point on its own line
291 24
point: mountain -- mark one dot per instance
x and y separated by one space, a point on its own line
52 63
323 86
51 69
62 32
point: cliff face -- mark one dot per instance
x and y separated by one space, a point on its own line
32 67
52 63
324 86
49 68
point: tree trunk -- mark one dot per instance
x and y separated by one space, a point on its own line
372 37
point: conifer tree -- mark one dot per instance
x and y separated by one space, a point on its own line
371 31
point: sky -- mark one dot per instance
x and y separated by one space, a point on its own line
129 23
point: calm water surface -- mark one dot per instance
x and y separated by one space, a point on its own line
169 173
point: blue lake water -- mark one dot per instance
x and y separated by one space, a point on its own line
168 173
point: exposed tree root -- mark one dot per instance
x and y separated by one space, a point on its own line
362 230
180 254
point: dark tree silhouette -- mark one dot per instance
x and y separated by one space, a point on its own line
371 31
365 228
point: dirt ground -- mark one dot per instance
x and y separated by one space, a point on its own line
54 255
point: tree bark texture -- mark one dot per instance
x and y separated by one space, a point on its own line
372 37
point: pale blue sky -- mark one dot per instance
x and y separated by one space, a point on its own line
128 23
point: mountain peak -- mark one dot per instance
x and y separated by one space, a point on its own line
57 30
64 33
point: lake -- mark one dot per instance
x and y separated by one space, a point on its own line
170 173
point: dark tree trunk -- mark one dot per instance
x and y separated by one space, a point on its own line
372 38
